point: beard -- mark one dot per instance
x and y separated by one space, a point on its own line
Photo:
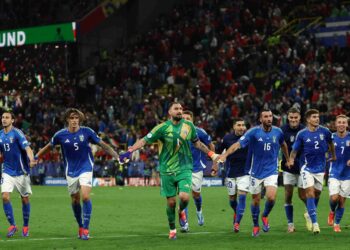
177 118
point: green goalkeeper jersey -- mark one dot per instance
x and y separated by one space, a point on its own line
175 153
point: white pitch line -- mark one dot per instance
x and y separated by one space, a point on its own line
123 236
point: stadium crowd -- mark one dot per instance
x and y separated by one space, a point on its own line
215 56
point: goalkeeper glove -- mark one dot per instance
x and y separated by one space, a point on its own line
125 157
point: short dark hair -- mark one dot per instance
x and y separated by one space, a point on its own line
264 110
188 112
70 111
9 112
237 119
311 112
293 110
172 104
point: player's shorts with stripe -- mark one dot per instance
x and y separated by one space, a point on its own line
239 183
311 179
341 187
171 184
257 184
74 183
197 181
21 183
292 179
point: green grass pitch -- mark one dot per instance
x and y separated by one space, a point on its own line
135 218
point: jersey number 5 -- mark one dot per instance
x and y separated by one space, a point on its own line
76 146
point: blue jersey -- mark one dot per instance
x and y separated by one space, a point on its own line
338 169
264 146
12 147
314 145
77 155
197 155
235 165
289 137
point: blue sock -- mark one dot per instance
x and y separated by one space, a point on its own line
333 205
240 207
77 213
289 212
311 209
26 214
9 213
233 204
316 201
338 215
198 203
87 208
268 207
255 214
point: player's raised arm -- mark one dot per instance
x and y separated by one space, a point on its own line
108 149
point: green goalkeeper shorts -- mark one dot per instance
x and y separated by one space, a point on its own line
172 184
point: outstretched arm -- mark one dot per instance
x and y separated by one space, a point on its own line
229 151
124 158
44 150
108 149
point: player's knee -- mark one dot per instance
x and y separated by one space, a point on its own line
5 198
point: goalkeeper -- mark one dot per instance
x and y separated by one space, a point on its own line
175 161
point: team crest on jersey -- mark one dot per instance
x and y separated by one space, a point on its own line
274 139
348 143
0 140
81 137
11 139
321 136
292 138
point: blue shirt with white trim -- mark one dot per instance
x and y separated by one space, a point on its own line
338 169
12 147
76 152
264 147
198 155
314 145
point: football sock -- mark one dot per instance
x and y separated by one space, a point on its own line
240 207
338 215
289 212
268 207
333 205
311 209
233 204
26 214
9 213
77 213
255 214
87 208
198 203
170 212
